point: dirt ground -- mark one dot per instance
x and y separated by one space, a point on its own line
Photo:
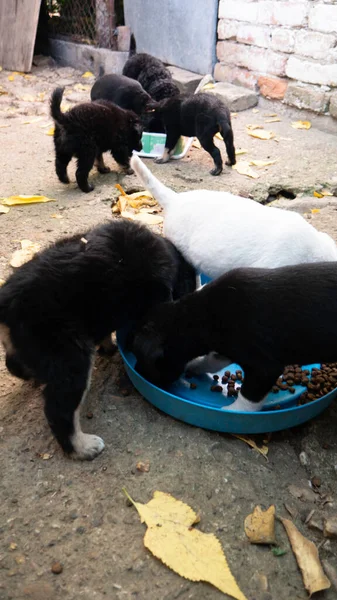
75 513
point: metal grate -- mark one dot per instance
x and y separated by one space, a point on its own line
86 21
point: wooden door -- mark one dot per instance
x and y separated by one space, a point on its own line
18 24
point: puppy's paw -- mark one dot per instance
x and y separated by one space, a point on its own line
88 188
230 163
86 446
103 170
128 171
161 161
64 179
216 171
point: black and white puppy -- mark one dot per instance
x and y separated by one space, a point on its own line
261 319
123 91
201 115
155 79
56 308
89 129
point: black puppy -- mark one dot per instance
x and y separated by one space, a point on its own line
155 79
56 308
261 319
86 131
201 115
123 91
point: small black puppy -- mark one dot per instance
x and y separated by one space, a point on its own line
123 91
68 299
201 115
261 319
86 131
155 79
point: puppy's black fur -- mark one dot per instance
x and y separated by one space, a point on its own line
201 115
155 79
123 91
58 306
86 131
261 319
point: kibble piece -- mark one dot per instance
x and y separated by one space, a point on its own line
193 386
216 377
216 388
292 390
224 379
275 389
227 373
57 568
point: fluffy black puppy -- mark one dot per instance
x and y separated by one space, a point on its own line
56 308
123 91
262 319
155 79
86 131
201 115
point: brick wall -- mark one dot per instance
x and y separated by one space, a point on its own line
287 50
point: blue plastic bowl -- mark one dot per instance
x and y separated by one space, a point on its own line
203 408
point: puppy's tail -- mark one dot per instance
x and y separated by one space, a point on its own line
55 106
133 46
161 193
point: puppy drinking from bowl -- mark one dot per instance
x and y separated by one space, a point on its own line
261 319
56 308
89 129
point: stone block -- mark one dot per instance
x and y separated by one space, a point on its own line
289 14
252 58
314 44
227 30
86 57
311 72
323 17
187 81
308 97
283 40
235 97
273 88
333 106
239 10
255 35
236 75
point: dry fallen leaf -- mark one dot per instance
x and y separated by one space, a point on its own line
242 167
2 91
11 77
260 526
4 209
27 251
262 163
273 120
315 210
208 86
234 115
261 134
318 195
28 98
13 546
143 467
326 192
139 199
301 124
238 152
56 216
81 87
196 143
219 136
261 449
307 559
46 456
255 110
253 127
87 74
51 131
136 201
21 199
190 553
270 115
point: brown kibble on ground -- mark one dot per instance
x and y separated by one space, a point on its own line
316 481
57 568
90 415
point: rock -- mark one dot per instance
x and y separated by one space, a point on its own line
330 527
304 459
273 88
316 524
235 97
57 568
302 493
316 481
187 81
331 572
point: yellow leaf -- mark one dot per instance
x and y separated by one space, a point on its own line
88 74
140 199
261 449
4 126
2 91
315 210
28 249
326 193
243 168
219 136
51 131
273 120
234 115
208 86
196 143
11 77
13 200
4 209
190 553
41 96
46 456
255 110
13 546
261 135
253 127
260 526
238 152
270 115
262 163
318 195
81 87
307 559
301 124
56 216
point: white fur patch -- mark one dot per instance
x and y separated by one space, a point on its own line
241 404
86 446
211 363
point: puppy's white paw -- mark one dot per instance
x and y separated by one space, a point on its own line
86 446
241 404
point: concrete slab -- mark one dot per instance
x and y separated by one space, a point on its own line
82 56
187 81
237 98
